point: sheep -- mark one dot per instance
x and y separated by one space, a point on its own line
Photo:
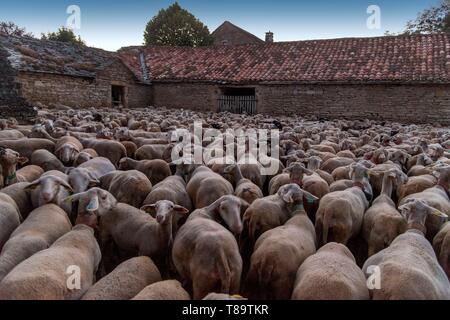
130 187
163 290
314 164
437 197
244 188
51 187
223 297
84 156
9 159
10 218
441 245
277 255
155 170
89 173
132 230
382 222
39 231
408 267
268 213
205 187
46 274
46 160
29 173
340 214
419 168
331 164
416 185
67 148
21 196
173 188
330 274
292 174
112 150
125 281
205 253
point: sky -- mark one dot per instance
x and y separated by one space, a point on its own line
112 24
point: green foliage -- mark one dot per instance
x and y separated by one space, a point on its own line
175 26
64 35
433 20
11 29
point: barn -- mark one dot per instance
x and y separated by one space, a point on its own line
58 73
403 78
231 35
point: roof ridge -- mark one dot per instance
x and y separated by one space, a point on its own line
239 28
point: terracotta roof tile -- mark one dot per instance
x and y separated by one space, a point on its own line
417 58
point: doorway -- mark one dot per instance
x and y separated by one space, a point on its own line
118 96
238 100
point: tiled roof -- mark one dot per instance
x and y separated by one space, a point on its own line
415 58
234 35
33 55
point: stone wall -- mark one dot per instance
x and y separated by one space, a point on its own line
52 89
404 103
11 102
195 96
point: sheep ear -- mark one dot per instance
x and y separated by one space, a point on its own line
93 205
180 209
228 169
404 210
244 206
22 160
33 185
93 183
438 213
310 198
150 209
65 184
73 198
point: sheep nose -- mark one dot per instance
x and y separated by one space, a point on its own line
46 196
159 218
237 229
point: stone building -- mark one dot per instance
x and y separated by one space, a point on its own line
231 35
404 78
58 73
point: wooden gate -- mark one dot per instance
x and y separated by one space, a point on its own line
237 104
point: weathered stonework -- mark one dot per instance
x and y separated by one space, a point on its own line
403 103
81 92
11 102
201 97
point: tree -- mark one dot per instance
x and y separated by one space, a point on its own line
175 26
64 35
11 29
433 20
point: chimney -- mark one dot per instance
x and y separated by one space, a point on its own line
269 37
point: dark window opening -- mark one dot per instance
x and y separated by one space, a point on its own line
238 100
238 91
118 96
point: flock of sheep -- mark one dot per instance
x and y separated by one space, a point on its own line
93 207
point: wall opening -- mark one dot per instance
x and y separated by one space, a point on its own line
238 100
118 96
